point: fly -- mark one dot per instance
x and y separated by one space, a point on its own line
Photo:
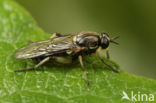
65 48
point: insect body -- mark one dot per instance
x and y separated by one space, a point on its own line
64 48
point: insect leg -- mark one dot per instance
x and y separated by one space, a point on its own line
36 66
83 69
114 70
107 53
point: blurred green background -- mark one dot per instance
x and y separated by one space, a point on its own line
133 20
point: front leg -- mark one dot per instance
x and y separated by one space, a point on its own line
107 53
110 67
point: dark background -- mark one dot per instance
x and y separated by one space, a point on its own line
133 20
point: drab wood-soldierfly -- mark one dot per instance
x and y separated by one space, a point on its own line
65 48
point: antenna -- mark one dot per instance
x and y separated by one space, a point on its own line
113 40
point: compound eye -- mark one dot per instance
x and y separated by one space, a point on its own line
104 42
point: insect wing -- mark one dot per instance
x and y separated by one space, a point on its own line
33 50
45 48
60 45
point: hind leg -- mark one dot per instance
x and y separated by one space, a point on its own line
35 67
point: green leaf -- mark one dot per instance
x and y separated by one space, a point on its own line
55 82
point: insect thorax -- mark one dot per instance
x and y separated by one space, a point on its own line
88 40
86 43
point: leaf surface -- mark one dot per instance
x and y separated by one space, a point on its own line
56 82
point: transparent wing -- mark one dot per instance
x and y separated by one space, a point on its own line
45 48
